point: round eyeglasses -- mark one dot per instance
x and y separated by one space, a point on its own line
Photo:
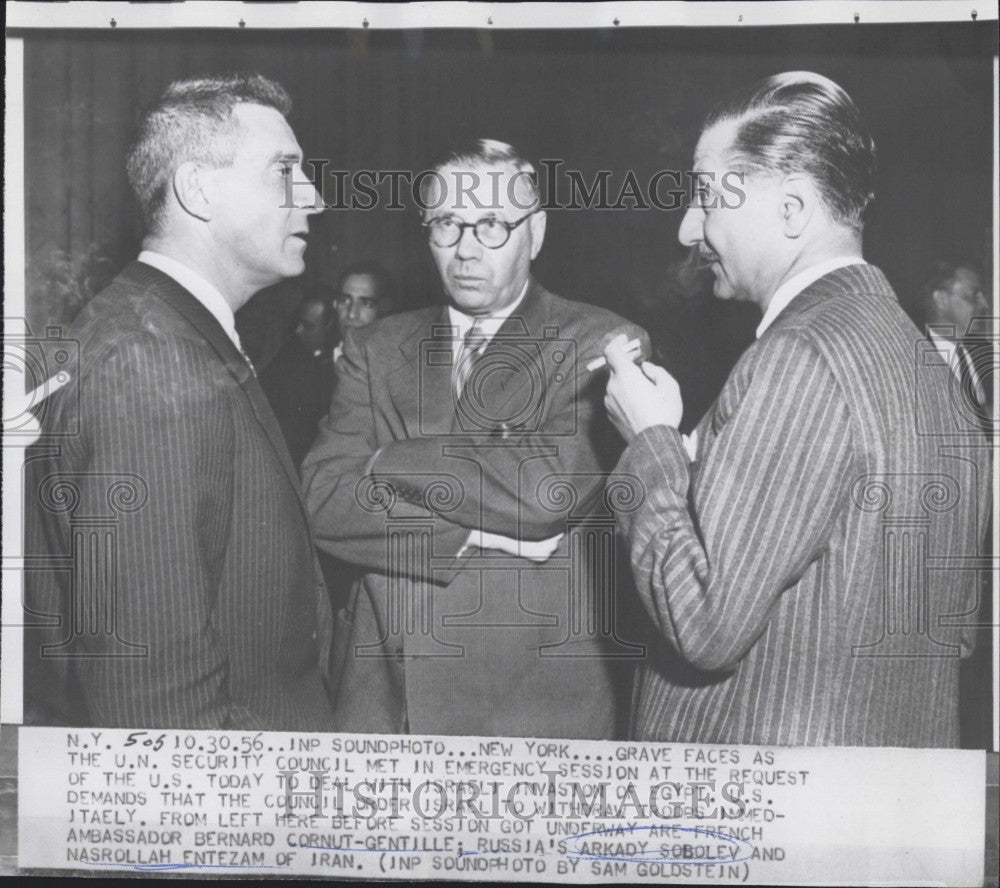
492 233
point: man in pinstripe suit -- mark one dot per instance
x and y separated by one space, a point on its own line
787 570
192 598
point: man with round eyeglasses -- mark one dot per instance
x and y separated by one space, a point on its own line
464 448
493 233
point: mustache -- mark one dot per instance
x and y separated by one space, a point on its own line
698 259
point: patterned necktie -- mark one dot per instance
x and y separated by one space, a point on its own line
472 345
969 373
246 357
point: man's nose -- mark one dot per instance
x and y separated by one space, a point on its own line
353 310
306 196
468 247
691 231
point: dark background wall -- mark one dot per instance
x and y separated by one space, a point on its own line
615 100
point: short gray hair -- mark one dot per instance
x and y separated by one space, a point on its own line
193 120
484 153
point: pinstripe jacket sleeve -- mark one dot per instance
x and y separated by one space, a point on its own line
766 495
152 407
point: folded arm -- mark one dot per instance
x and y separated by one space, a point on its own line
497 481
505 482
349 508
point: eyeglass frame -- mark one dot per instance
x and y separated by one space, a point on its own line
510 226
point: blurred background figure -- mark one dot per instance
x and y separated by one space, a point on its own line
364 296
61 283
953 295
299 381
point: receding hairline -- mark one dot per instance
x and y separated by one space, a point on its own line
450 170
292 151
727 126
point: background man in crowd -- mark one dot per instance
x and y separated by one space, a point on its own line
299 381
790 612
951 297
463 427
211 614
363 297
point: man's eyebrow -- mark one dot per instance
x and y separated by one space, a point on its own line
285 156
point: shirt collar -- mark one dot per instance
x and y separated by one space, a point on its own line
944 344
797 283
197 286
488 325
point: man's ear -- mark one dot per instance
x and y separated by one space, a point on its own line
189 189
798 201
536 225
941 299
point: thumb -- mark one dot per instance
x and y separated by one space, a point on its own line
655 374
616 354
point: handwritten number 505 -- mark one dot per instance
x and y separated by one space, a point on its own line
155 743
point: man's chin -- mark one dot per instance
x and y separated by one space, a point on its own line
721 288
294 266
468 299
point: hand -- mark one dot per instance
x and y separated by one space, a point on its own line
20 426
538 551
637 399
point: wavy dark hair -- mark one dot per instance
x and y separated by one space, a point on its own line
801 122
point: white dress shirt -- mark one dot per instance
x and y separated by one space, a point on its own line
488 326
797 283
779 302
959 360
198 287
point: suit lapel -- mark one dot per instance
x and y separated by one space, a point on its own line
200 319
420 387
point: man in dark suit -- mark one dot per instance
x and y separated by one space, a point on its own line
462 464
363 297
787 570
959 329
957 315
181 568
299 381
